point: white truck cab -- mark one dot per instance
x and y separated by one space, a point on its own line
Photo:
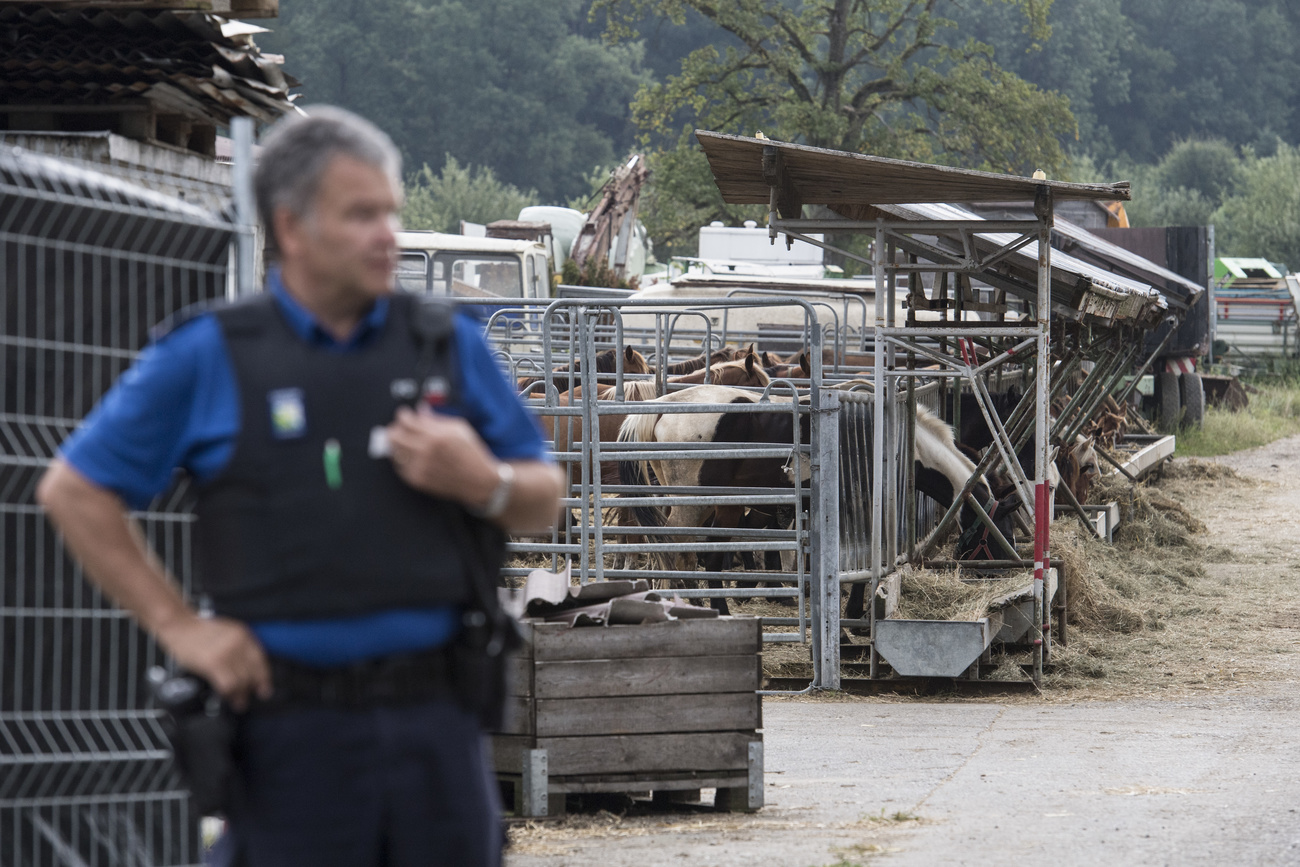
459 265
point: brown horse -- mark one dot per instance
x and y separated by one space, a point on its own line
606 362
558 427
718 356
746 371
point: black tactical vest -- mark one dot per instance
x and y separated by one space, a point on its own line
303 523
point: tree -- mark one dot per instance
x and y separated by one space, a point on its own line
1264 218
869 76
858 75
1228 69
1085 58
509 84
440 201
1211 168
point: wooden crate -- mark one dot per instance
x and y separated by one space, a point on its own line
667 707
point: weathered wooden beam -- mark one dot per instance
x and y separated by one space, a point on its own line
775 174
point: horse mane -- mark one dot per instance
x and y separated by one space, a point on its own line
937 427
640 389
934 447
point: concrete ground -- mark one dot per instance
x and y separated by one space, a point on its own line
1197 778
1214 781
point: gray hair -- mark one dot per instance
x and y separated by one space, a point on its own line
298 149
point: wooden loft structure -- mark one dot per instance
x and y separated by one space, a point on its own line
225 8
170 72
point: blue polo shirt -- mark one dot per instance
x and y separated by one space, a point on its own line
178 407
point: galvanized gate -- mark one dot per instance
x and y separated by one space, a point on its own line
88 263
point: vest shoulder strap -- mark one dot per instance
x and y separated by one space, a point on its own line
247 317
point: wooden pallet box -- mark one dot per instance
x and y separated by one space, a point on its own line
666 707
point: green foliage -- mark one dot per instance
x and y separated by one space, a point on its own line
1187 186
1264 218
872 78
680 197
1084 58
440 201
595 273
1253 201
511 84
1273 413
1210 168
1142 75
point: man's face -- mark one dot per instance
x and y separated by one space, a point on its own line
347 241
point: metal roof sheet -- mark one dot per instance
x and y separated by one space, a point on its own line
1076 285
1119 257
828 177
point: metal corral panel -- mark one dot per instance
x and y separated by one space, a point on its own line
88 263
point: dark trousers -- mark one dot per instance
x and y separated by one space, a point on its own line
405 786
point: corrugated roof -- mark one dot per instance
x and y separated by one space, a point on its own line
827 177
1117 256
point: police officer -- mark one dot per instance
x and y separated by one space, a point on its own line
345 442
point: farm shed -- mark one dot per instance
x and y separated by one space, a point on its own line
920 229
868 358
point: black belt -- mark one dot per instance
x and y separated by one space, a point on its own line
398 679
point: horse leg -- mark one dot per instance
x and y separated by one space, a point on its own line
767 518
687 561
720 561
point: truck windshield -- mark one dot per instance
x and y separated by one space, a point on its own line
471 274
477 274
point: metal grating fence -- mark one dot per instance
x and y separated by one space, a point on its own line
88 263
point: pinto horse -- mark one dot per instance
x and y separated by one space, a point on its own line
741 373
941 470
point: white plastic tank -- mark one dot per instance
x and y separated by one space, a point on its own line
566 223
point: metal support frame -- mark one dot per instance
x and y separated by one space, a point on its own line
889 339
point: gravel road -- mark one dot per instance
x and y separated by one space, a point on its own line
1209 777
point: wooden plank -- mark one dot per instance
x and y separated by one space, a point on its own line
508 752
519 675
687 785
721 637
518 717
594 678
647 714
706 752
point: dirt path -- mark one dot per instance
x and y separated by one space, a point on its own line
1181 749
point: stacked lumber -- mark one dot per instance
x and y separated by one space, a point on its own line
160 76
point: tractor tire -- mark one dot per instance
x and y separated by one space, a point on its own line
1167 393
1193 394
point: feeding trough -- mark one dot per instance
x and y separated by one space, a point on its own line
948 648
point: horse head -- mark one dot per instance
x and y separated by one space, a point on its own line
977 542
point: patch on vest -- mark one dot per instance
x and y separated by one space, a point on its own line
436 391
403 389
288 414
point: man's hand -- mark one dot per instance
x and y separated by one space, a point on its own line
442 455
221 651
95 527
